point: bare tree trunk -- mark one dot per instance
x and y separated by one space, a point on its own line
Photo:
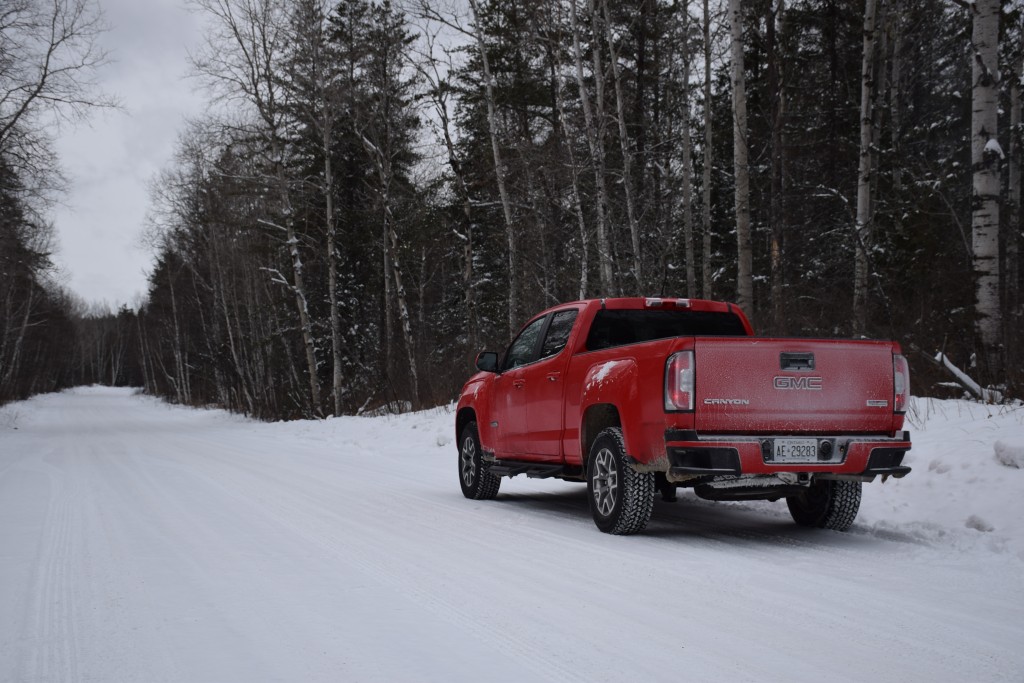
1015 224
16 351
468 252
577 202
777 86
337 376
985 162
147 382
627 152
424 280
180 369
896 94
1016 210
595 141
389 313
864 174
220 301
558 97
468 284
403 307
381 153
299 287
706 272
5 333
314 35
687 152
745 261
499 170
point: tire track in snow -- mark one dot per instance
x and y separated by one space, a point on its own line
52 619
325 528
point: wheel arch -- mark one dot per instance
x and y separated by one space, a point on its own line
596 419
462 418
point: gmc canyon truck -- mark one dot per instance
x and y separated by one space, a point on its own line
636 395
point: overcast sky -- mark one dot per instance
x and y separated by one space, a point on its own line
110 160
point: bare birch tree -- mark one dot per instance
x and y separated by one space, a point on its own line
777 88
686 151
379 127
706 272
574 169
624 142
864 173
986 157
499 169
595 141
745 261
896 91
1016 222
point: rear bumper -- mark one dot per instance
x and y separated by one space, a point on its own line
857 457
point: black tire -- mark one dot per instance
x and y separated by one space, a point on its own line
621 499
826 505
475 477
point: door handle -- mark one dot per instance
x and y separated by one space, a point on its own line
519 383
553 377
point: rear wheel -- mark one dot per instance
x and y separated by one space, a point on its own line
474 474
621 499
826 505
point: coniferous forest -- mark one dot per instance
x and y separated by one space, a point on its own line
380 189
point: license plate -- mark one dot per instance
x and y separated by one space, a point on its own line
796 450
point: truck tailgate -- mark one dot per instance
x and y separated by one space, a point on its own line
793 386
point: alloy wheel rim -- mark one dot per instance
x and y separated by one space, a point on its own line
605 481
467 457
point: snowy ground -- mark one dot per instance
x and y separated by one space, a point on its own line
145 542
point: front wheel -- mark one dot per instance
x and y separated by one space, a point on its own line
826 505
621 499
474 474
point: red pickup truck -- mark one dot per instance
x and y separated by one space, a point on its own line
636 395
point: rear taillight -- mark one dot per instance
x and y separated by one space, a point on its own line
679 381
900 383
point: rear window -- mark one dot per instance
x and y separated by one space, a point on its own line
618 328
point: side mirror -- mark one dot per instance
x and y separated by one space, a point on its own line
487 361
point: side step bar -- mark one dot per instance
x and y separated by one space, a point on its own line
530 469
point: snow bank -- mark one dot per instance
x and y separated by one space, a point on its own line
958 493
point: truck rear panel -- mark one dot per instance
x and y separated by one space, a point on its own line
793 386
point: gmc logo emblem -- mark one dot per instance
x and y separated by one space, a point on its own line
805 383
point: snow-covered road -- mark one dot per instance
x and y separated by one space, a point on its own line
146 542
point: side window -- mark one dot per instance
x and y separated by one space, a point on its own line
558 333
524 348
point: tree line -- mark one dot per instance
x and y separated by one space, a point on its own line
381 190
